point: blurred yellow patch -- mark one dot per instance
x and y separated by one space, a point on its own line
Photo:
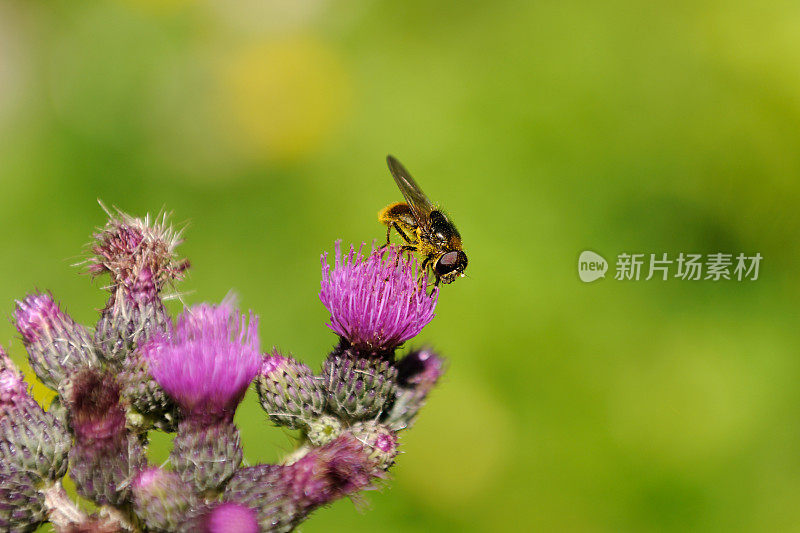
41 394
459 446
286 97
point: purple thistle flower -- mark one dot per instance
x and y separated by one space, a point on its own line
231 517
375 301
207 361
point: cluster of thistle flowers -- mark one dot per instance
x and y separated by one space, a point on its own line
140 370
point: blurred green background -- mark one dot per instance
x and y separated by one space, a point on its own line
545 128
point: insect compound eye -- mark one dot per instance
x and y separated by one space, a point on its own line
447 263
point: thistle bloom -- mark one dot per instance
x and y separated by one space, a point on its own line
206 363
374 301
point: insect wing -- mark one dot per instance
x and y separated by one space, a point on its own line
416 199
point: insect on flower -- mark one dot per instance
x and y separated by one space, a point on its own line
424 228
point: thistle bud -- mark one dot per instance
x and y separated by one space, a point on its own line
56 345
13 389
161 499
357 387
284 495
418 373
324 429
133 313
289 392
206 454
30 439
21 503
379 442
147 397
105 455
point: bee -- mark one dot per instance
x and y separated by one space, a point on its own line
425 229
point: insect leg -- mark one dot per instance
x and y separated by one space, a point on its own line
403 236
423 271
388 240
401 233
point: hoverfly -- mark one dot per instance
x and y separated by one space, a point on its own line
424 228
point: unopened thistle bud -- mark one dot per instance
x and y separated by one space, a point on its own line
205 365
21 502
289 392
161 499
147 398
56 345
283 496
133 313
105 456
30 439
418 373
324 429
379 442
13 389
206 453
358 387
375 302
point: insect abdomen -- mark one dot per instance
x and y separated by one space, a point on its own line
398 213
